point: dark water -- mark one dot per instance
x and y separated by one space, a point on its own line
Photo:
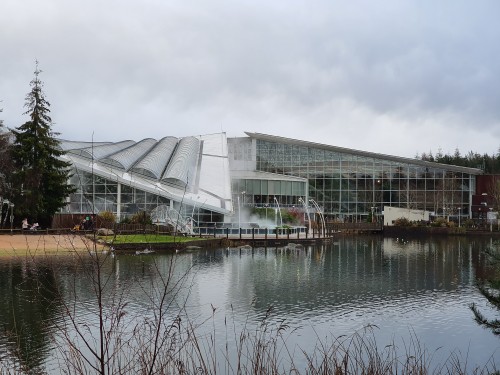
406 289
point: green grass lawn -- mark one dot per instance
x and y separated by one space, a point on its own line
148 238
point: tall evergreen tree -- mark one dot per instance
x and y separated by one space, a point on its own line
6 166
40 178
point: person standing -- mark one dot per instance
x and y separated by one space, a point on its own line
25 224
90 222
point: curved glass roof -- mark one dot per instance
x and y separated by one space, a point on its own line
66 145
169 159
127 157
182 167
166 167
154 162
98 152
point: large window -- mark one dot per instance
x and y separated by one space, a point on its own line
261 192
346 184
97 194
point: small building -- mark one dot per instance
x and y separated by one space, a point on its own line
391 214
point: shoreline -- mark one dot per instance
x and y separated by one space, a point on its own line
42 244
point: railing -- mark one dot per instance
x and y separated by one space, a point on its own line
221 231
354 227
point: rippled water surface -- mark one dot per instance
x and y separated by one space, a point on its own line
404 289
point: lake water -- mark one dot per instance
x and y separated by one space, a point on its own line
406 290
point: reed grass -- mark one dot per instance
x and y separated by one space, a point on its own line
110 341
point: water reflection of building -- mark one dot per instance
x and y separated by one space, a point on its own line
358 271
211 178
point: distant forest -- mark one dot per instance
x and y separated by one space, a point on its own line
490 164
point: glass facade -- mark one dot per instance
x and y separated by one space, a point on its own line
261 192
267 171
347 185
104 193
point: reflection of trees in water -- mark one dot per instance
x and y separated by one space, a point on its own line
34 293
28 303
351 270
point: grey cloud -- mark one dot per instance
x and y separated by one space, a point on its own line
194 67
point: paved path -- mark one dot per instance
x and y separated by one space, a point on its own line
43 243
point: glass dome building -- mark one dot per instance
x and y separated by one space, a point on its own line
209 178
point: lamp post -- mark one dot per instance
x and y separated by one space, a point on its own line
239 211
491 219
459 208
8 203
239 207
1 209
11 205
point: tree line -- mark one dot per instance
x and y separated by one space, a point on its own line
490 164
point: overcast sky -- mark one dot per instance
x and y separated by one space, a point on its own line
395 77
